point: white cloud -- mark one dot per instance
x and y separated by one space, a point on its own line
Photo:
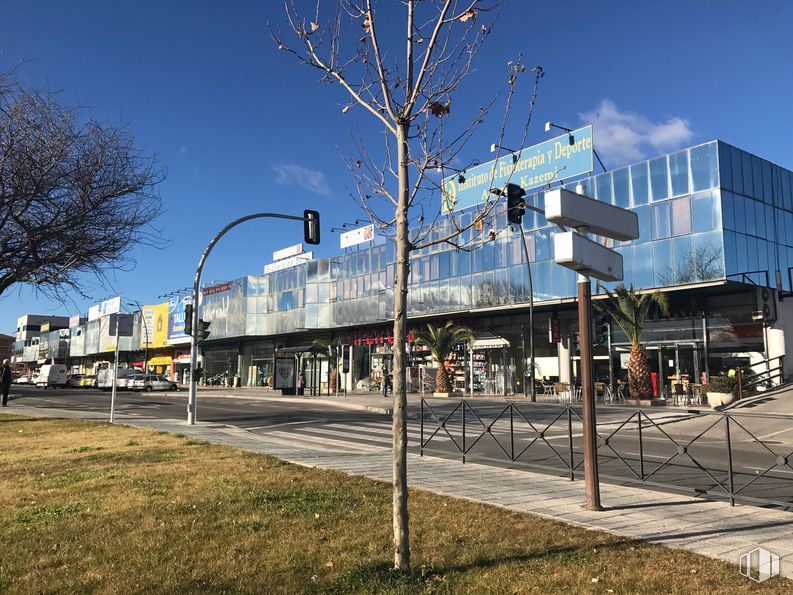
621 136
290 174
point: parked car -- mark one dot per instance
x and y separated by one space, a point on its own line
104 378
126 382
23 380
149 382
74 380
54 375
88 381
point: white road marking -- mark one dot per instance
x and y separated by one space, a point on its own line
295 437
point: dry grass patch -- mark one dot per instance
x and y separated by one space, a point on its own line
90 507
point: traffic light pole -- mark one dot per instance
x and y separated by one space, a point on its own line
193 393
532 368
591 476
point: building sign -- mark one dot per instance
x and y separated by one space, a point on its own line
176 316
554 330
287 263
287 252
532 167
148 325
226 310
45 327
111 306
357 236
216 289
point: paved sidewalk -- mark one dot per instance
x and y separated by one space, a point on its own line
710 528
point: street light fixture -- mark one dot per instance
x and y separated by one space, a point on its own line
549 125
495 147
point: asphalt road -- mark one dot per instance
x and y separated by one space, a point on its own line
540 438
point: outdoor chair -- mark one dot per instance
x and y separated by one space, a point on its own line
679 393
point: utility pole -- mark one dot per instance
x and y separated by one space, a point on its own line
115 372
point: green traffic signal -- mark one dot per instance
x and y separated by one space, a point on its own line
203 330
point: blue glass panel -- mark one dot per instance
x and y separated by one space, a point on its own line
730 252
770 228
746 166
661 223
627 265
788 228
759 218
786 178
703 167
659 178
768 190
752 262
757 177
622 188
645 224
725 166
589 189
742 255
684 261
783 267
737 171
728 210
681 216
749 213
663 263
678 173
704 211
708 256
488 257
639 184
542 244
604 187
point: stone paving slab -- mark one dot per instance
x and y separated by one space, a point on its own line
711 528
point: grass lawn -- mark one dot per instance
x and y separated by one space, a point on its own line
90 507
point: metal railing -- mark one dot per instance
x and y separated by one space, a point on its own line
713 454
768 378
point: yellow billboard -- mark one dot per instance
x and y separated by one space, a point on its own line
155 321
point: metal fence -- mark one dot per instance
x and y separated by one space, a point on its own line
736 456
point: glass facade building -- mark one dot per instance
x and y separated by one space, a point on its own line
715 223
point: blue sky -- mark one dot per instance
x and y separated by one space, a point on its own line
241 127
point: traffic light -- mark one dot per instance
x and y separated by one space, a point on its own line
311 227
188 319
516 205
345 359
602 331
203 330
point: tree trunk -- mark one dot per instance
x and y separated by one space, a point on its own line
442 383
332 380
639 383
399 420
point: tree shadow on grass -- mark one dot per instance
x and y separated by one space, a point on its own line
382 577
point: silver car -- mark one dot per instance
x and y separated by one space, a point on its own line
150 382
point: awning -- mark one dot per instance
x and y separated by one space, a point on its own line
160 360
494 343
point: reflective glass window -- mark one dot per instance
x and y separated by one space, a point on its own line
742 257
788 228
627 265
757 177
770 226
681 216
622 188
684 261
661 223
502 253
768 191
786 179
643 265
708 256
488 256
464 262
645 224
759 217
659 178
703 167
752 263
705 211
663 263
639 185
749 213
746 166
725 166
542 244
730 252
678 173
737 171
604 187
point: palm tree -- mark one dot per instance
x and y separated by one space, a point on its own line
441 341
630 311
334 347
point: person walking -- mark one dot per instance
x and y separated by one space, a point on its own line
5 381
386 381
301 384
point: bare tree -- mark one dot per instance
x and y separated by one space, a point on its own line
406 83
75 197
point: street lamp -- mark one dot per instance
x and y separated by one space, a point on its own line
495 147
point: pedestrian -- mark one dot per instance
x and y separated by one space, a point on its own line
301 384
385 383
5 381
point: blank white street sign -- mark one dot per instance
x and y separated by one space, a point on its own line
574 251
588 215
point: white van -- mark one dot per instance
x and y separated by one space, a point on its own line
54 375
104 377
